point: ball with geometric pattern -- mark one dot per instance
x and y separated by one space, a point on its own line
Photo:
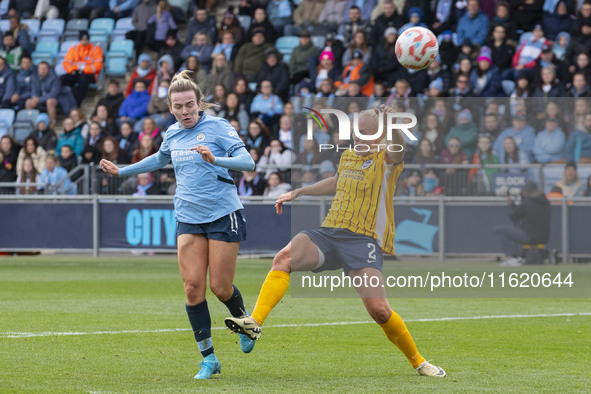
416 48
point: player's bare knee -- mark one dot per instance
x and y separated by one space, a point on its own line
223 293
380 313
282 261
194 291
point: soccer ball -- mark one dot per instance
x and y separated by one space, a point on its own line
416 48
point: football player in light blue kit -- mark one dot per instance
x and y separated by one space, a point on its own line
208 211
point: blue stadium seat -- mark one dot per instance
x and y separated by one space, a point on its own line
508 86
318 41
4 6
122 26
4 25
73 27
24 124
59 67
116 65
244 21
65 46
52 29
45 50
286 44
101 29
6 121
122 47
34 27
182 4
21 131
27 115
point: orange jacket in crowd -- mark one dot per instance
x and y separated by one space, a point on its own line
88 59
366 89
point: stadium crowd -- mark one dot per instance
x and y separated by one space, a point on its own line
511 86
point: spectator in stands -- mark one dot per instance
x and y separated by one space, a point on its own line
201 22
481 178
532 216
364 12
462 88
557 21
27 86
473 25
581 107
389 19
158 25
7 82
201 48
266 105
43 134
68 161
221 74
327 89
113 99
412 186
141 14
9 151
28 174
491 125
24 8
512 154
149 127
309 152
548 87
251 184
251 56
173 48
560 45
146 186
530 50
547 58
11 52
91 10
580 86
49 90
127 139
261 21
51 9
31 150
578 145
158 105
52 176
359 72
230 24
90 155
258 135
285 132
71 136
280 14
415 16
276 186
454 180
502 18
79 118
570 184
96 136
501 50
549 143
113 153
144 71
584 12
433 131
522 134
83 64
245 95
353 24
121 8
485 79
527 13
226 47
145 148
359 42
384 63
298 63
231 110
20 32
275 71
332 15
106 122
581 65
306 16
426 153
278 155
464 131
135 106
325 69
580 43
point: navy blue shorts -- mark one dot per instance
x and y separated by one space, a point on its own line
345 249
229 228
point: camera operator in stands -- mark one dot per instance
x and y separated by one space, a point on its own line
531 217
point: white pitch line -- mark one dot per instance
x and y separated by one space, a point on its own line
341 323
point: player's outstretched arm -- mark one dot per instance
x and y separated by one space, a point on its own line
397 138
151 163
321 188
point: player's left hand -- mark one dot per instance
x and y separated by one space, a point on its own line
205 153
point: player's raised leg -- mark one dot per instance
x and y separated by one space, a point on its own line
222 266
375 301
303 256
192 255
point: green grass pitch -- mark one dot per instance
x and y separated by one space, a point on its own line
80 294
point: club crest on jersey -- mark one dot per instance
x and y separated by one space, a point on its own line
366 164
232 134
200 137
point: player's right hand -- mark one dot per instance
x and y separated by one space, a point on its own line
285 197
109 167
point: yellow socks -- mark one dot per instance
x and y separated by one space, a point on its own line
398 334
271 293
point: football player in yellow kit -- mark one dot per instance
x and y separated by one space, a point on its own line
358 228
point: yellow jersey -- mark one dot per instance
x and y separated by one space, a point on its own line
363 202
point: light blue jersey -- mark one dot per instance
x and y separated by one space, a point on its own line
205 192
